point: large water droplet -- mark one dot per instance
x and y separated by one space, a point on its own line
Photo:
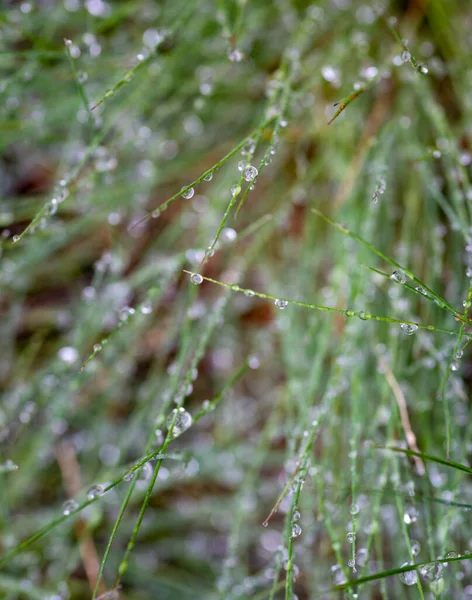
183 420
398 276
409 328
408 577
196 278
432 571
188 194
250 173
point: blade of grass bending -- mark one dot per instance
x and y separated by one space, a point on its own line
429 457
389 573
442 303
341 311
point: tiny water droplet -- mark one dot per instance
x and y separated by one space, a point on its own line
196 278
15 238
399 277
94 491
128 476
235 190
409 328
249 293
406 56
354 509
146 307
296 515
241 165
69 506
454 365
97 347
235 55
451 554
208 177
351 537
296 530
415 547
411 515
364 316
280 303
155 213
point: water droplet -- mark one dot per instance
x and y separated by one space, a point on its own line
432 571
351 563
196 278
94 492
146 307
423 69
351 537
280 303
208 177
69 506
97 347
249 293
408 577
451 554
398 276
296 515
459 354
364 316
228 235
235 190
409 328
188 194
354 509
235 55
183 420
128 476
16 238
250 173
241 165
411 515
415 547
155 213
455 365
406 56
296 530
9 465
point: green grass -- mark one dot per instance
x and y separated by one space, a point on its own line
296 424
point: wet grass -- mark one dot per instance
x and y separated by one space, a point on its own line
236 257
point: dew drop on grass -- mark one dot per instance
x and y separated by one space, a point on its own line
354 509
188 194
128 476
432 571
208 177
406 56
146 308
235 55
69 506
196 278
454 365
249 293
398 276
296 516
250 173
97 347
408 577
451 554
409 328
241 165
410 516
155 213
280 303
183 420
16 238
351 537
415 547
364 316
228 235
94 491
296 530
235 190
